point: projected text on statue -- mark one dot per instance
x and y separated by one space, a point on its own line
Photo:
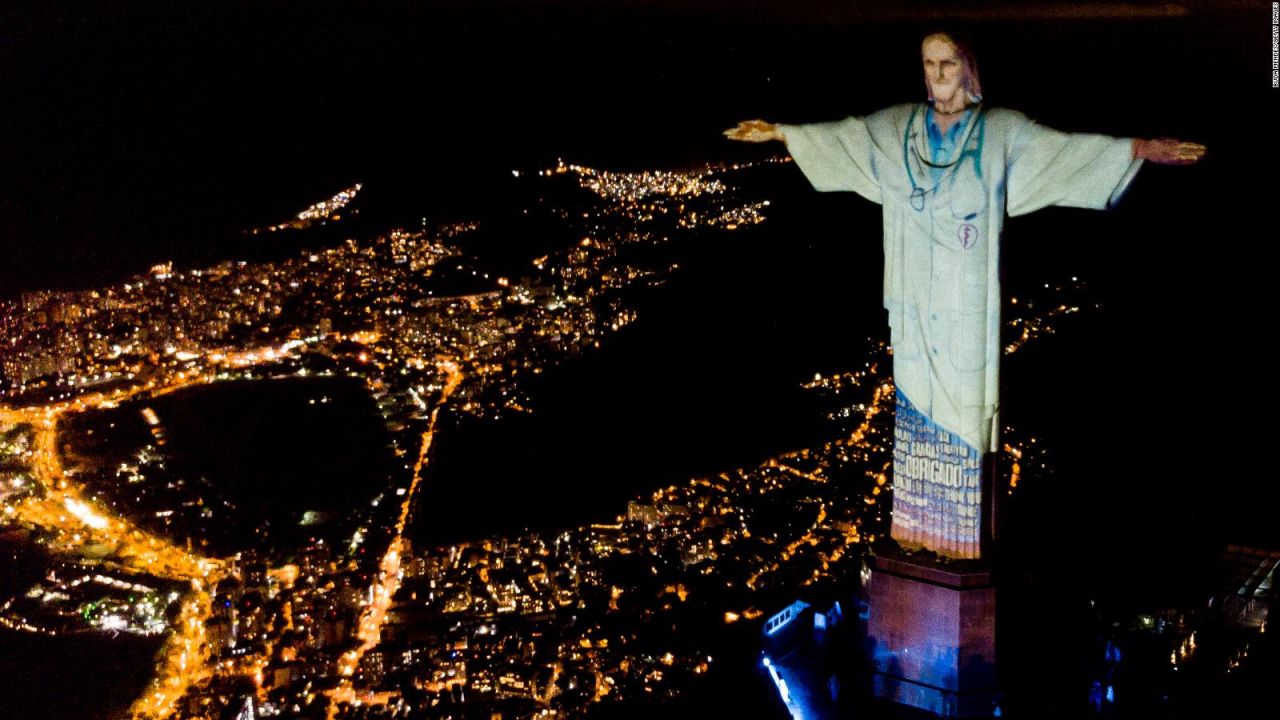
937 485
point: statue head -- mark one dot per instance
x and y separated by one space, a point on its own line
950 70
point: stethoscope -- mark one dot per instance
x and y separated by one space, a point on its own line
911 141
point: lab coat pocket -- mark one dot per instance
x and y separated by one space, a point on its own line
970 345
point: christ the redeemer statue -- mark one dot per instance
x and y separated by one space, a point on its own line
947 171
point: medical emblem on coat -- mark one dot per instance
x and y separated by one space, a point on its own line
967 234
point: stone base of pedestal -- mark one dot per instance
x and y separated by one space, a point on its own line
931 636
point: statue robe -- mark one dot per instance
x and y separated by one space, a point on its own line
942 281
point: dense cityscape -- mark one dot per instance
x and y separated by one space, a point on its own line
300 628
340 616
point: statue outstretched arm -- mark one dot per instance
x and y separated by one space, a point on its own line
1168 151
756 131
832 155
1049 167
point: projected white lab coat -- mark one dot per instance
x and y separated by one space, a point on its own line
942 232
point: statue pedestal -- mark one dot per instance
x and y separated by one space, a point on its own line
931 636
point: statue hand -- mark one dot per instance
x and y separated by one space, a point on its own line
756 131
1167 151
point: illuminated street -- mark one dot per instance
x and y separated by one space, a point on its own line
369 625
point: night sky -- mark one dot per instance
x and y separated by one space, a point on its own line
133 133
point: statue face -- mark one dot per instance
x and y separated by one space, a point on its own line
943 70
